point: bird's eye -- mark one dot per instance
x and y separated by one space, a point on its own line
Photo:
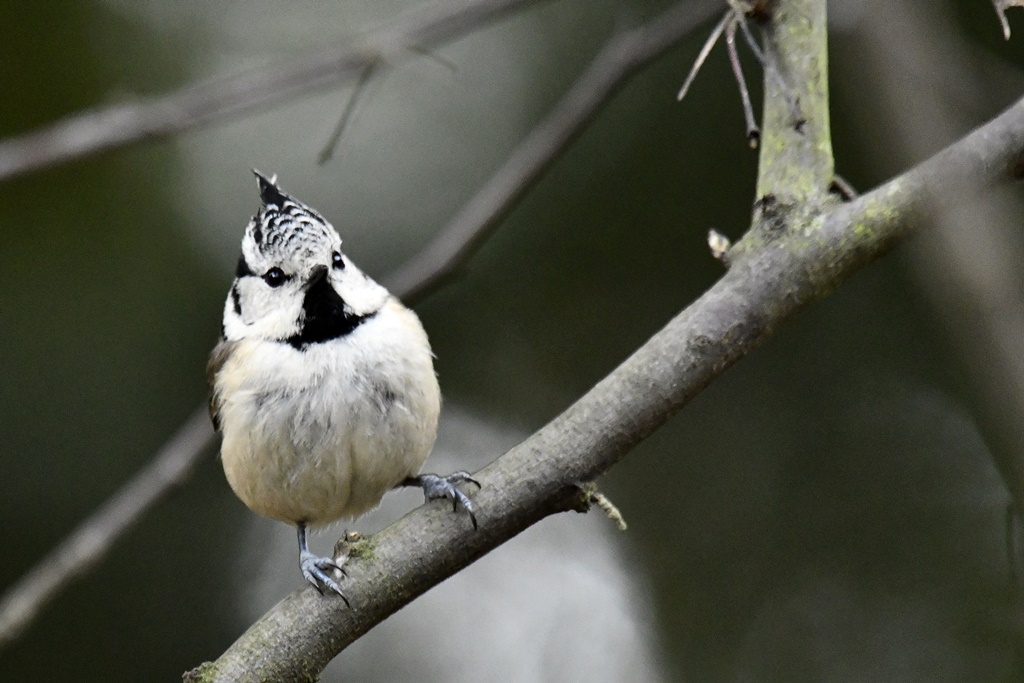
274 277
337 261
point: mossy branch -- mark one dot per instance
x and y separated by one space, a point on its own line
764 287
796 164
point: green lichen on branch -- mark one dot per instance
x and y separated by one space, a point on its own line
796 164
207 671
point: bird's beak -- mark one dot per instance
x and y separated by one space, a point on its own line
318 274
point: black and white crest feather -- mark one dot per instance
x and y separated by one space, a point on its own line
293 283
285 224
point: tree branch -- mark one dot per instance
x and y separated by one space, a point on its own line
90 541
796 147
225 97
622 57
456 243
546 473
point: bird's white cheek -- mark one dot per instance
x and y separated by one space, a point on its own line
361 294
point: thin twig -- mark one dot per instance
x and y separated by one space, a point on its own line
751 41
753 132
434 57
420 276
734 17
610 509
87 544
1001 7
222 98
346 114
615 63
702 56
843 188
770 69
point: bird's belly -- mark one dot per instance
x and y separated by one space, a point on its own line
312 455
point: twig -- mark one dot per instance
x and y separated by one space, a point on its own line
843 188
372 68
1001 7
735 17
346 114
224 97
770 69
763 289
434 57
614 64
753 132
741 19
702 56
420 276
87 544
610 509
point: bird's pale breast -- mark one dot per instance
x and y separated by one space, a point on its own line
319 434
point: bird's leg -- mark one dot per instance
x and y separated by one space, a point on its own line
316 569
435 486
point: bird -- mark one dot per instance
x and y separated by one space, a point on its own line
322 384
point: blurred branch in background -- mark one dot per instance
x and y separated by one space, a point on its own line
614 64
87 544
801 247
230 96
1001 7
970 265
453 245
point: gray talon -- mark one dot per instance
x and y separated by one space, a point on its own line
317 570
435 487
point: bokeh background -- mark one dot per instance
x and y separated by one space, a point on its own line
828 510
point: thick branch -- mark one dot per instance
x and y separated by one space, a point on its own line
541 476
224 97
796 142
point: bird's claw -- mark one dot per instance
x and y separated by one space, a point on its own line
318 571
435 487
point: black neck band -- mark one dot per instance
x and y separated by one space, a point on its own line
325 317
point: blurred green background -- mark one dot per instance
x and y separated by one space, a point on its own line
826 511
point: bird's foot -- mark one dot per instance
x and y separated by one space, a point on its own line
435 486
320 571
